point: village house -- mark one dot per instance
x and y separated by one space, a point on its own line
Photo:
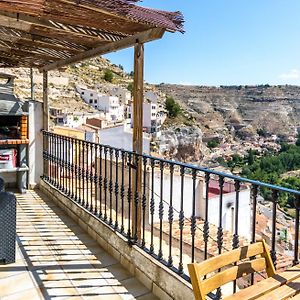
109 105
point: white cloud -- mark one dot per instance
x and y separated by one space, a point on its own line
293 74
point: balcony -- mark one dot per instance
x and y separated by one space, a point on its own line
168 216
56 259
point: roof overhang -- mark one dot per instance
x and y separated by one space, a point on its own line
48 34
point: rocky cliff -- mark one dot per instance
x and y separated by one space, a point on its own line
241 109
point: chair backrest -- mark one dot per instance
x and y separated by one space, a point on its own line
253 258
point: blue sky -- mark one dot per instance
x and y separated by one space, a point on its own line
227 42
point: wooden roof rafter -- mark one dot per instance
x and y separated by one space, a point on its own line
61 32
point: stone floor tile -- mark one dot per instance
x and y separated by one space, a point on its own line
16 284
132 285
148 296
30 294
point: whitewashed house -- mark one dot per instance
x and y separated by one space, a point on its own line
228 207
112 110
121 136
151 120
123 94
73 120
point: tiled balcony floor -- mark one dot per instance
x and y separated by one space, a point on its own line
56 259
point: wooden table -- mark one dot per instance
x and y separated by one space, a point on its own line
285 285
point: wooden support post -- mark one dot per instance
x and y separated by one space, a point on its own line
45 101
31 84
45 117
138 100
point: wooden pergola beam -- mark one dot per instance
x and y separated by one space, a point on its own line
53 32
36 44
143 37
103 35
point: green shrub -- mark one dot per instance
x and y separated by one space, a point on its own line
213 144
172 107
108 76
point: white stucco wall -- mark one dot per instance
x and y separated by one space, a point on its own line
35 142
228 212
176 202
119 138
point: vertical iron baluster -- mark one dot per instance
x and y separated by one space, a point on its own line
254 193
274 214
55 161
181 220
69 165
296 240
72 166
62 163
220 227
136 197
59 153
76 156
122 191
110 185
47 155
87 175
152 204
96 180
206 224
235 240
193 217
105 183
171 217
117 188
129 195
161 209
92 178
79 171
144 201
83 173
100 181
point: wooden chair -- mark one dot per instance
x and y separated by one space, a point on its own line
234 265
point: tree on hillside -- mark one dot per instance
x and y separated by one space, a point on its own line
172 107
108 75
130 87
213 144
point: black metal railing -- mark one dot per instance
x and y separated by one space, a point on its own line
176 212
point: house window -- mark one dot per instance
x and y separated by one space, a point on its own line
95 101
82 93
91 101
91 94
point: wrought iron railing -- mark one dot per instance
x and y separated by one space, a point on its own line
176 212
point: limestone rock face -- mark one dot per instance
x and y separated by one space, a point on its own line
182 144
276 109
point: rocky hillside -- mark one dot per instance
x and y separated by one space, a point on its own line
62 83
243 109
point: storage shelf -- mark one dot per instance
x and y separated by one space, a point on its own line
14 142
20 169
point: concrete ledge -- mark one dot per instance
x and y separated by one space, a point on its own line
163 283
